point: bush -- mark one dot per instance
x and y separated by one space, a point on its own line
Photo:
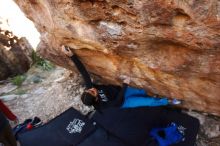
18 80
45 65
42 63
36 58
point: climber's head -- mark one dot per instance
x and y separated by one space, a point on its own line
90 97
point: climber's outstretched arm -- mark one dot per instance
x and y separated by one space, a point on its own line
81 68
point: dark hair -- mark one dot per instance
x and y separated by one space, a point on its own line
88 99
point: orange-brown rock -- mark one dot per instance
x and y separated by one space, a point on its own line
169 47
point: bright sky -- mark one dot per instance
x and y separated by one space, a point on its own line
20 25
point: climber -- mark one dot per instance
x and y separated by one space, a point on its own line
93 91
103 96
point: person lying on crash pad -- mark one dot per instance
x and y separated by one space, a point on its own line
104 96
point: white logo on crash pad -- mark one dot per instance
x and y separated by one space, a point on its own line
75 126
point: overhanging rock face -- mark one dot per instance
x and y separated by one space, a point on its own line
169 47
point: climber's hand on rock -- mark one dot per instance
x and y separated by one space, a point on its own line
66 50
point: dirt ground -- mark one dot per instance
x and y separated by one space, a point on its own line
46 94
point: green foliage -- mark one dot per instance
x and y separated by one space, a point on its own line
36 58
18 80
42 63
45 65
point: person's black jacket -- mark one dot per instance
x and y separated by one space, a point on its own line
3 121
110 95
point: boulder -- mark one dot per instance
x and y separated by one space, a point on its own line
15 54
168 47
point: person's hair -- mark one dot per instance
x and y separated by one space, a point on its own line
88 99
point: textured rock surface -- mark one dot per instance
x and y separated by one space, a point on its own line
170 47
15 54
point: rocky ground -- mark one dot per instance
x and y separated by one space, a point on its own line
46 94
